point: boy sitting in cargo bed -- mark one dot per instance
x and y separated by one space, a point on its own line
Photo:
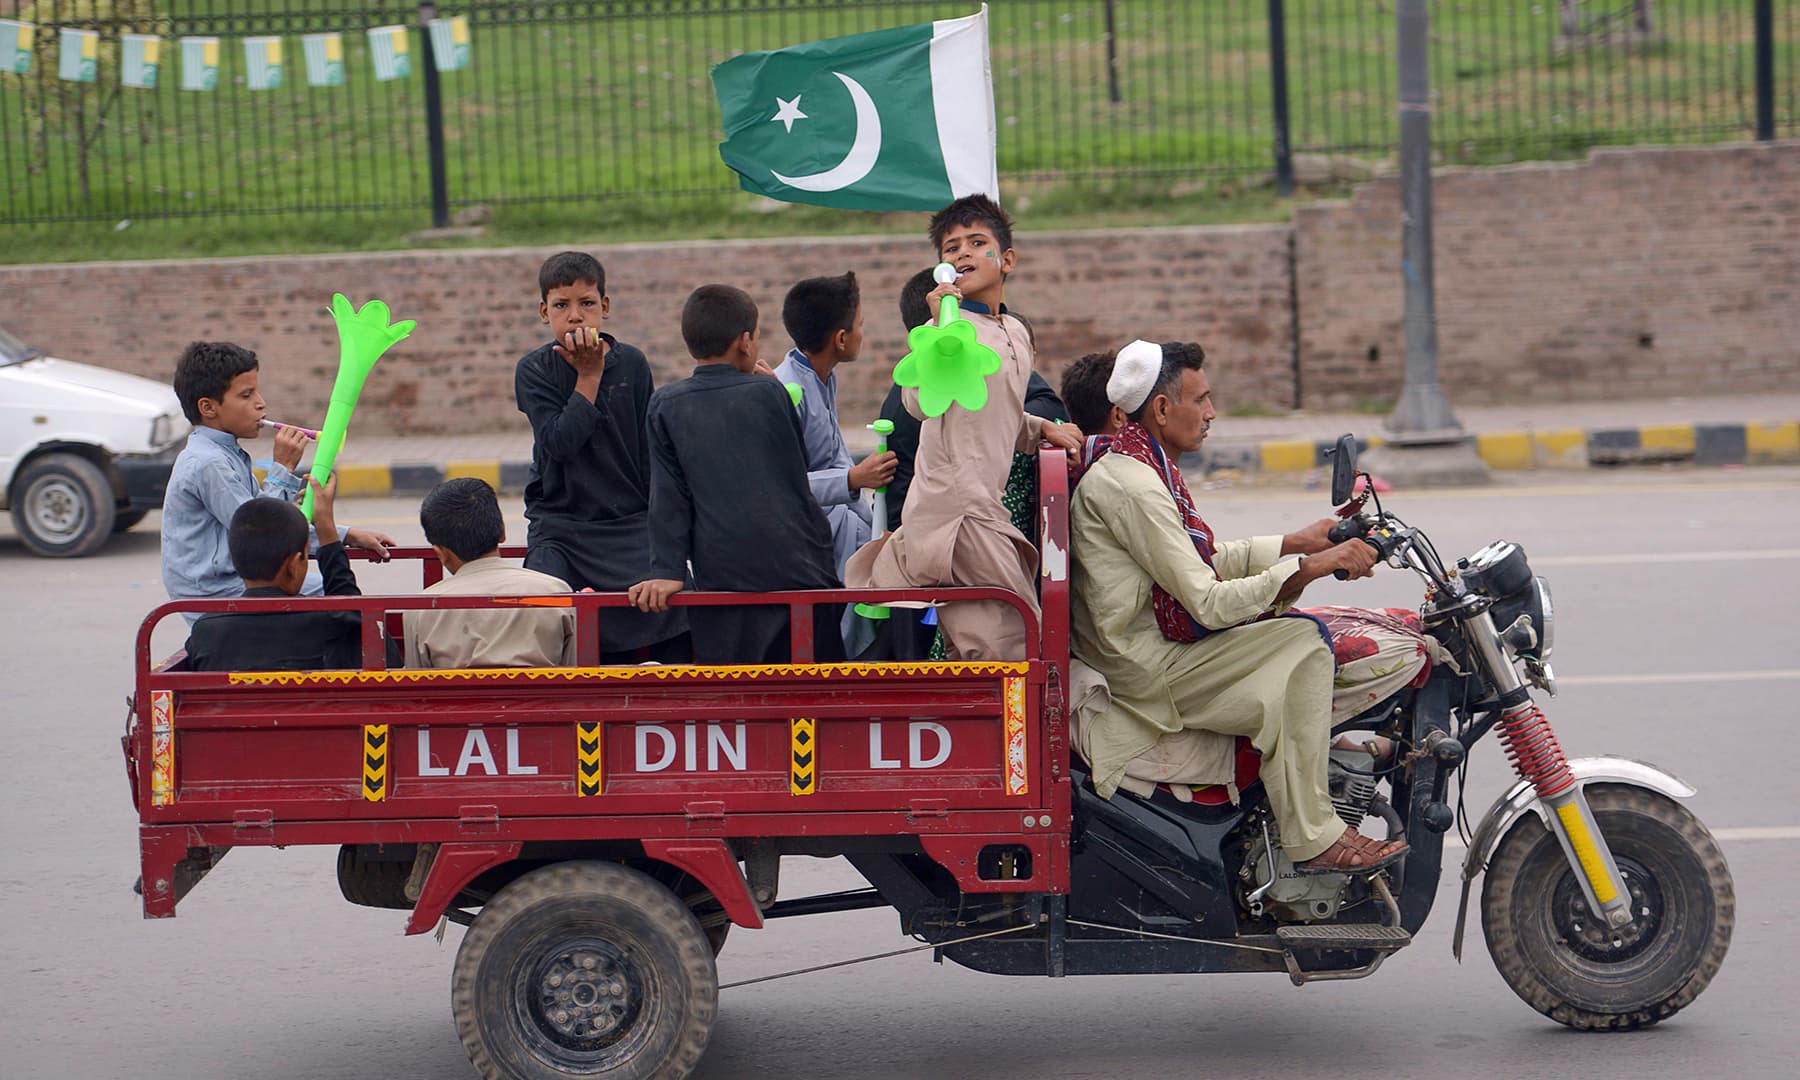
463 524
729 493
268 540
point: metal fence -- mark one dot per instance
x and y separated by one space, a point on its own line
608 102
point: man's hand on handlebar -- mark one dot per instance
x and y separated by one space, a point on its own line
1352 558
1355 558
1310 540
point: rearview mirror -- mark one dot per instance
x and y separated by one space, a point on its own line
1343 469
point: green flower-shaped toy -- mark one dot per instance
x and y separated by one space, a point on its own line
946 364
362 337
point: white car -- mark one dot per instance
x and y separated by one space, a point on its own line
84 452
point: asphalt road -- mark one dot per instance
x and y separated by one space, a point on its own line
1677 643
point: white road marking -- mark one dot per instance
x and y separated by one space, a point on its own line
1758 832
1668 677
1640 558
1729 833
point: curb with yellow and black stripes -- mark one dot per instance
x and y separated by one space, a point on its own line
1697 444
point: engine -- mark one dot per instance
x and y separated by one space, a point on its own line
1350 780
1272 885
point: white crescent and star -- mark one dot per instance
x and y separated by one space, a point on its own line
864 149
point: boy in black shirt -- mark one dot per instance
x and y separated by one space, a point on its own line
588 498
268 539
729 492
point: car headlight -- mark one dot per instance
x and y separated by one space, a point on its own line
162 430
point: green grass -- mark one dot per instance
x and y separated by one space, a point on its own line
606 123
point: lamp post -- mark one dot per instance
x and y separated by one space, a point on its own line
1426 444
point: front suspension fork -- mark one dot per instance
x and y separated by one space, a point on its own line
1538 758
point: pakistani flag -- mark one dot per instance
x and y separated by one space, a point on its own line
897 119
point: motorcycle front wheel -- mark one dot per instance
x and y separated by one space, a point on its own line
1572 967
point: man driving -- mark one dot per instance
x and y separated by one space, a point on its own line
1192 632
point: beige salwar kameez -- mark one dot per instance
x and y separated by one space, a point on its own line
1269 681
955 530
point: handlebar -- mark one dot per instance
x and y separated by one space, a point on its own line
1375 533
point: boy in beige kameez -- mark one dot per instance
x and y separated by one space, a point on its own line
956 531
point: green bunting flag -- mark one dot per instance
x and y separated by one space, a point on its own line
199 63
450 42
388 48
15 46
140 57
262 63
80 57
898 119
324 58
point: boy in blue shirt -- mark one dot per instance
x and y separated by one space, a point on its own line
216 383
824 318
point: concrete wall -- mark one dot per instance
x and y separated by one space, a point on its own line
1636 273
477 312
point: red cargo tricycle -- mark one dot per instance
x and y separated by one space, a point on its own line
599 829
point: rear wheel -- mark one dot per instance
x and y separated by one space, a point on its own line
585 969
1572 967
63 506
374 882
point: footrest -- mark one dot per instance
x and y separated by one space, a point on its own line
1353 936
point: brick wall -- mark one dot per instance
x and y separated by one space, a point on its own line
477 312
1635 273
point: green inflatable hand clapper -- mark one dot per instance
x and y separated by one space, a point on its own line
362 337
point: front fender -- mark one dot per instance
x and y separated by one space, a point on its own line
1521 799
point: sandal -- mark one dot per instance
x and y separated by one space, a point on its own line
1354 853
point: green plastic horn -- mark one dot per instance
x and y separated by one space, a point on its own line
362 337
946 364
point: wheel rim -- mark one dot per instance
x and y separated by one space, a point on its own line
1590 937
588 997
56 509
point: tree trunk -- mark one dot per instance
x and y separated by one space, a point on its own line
1571 18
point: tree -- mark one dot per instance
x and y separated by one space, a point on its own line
1642 16
77 111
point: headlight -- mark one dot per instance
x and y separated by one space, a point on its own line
1533 602
1544 618
162 430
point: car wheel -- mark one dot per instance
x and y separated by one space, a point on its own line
63 506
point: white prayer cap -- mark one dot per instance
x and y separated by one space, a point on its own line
1134 374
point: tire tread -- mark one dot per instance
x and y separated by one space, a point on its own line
602 881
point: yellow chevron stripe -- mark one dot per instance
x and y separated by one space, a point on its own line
803 761
589 744
375 762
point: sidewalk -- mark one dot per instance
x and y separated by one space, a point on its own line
1709 431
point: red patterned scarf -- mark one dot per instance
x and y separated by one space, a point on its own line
1136 443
